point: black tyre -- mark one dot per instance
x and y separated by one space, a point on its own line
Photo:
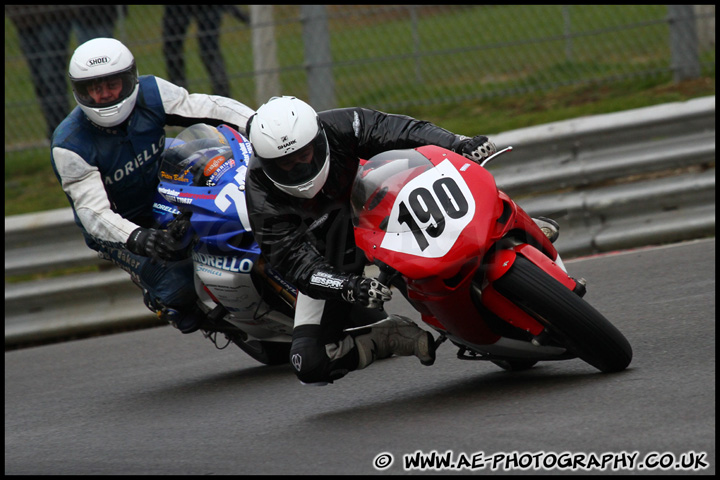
269 353
568 318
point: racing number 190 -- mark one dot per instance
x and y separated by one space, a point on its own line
424 205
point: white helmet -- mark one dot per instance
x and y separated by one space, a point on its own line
104 59
290 144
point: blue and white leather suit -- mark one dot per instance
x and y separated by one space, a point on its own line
109 175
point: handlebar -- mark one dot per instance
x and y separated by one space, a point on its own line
387 273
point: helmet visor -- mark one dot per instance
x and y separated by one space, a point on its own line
299 166
107 90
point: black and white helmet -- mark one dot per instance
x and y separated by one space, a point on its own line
104 59
290 143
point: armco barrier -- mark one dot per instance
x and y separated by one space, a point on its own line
614 181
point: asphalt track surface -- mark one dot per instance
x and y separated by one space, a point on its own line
158 402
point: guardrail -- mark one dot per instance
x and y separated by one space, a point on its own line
613 181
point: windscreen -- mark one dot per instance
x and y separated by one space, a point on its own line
196 156
384 173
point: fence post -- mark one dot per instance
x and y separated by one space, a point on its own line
318 59
267 77
685 61
706 26
416 42
121 30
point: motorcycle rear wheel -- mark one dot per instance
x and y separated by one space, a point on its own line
567 317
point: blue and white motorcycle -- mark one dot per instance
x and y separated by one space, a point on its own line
201 198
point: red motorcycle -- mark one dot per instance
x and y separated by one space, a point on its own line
474 264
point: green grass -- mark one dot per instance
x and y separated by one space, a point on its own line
30 184
509 113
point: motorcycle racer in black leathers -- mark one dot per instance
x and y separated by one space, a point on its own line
298 193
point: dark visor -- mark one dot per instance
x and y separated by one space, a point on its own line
127 78
288 171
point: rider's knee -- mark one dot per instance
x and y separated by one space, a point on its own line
310 360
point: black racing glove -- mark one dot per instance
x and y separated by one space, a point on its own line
364 291
156 244
477 148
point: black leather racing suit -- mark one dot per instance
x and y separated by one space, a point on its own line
302 238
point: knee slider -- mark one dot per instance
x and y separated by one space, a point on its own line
309 360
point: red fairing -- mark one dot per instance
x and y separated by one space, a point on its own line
440 211
430 213
474 264
433 215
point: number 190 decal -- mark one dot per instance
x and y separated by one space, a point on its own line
429 213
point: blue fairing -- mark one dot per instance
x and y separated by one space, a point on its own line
203 172
163 211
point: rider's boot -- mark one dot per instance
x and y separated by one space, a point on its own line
396 335
187 321
549 227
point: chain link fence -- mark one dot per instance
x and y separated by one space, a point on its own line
386 57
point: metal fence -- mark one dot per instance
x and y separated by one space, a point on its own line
381 56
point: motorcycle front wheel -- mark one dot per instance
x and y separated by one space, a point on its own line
569 319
